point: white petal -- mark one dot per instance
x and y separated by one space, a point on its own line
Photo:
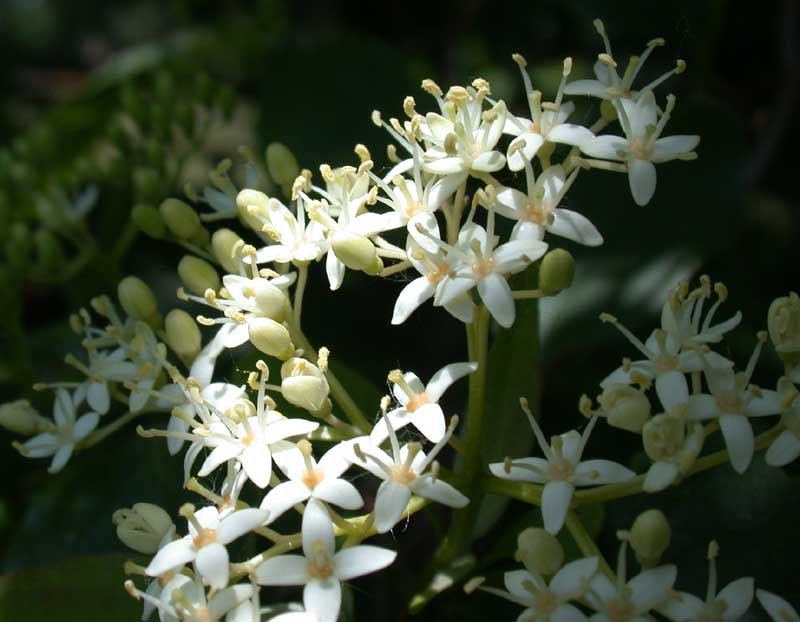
317 528
439 491
446 376
412 296
767 403
650 588
360 560
60 458
567 613
463 309
556 498
672 389
283 570
592 472
429 419
702 406
390 504
286 428
659 476
642 180
777 608
226 600
445 166
236 336
784 449
671 147
98 397
283 497
63 408
335 271
257 463
85 425
323 598
239 523
212 564
682 606
570 134
571 580
738 439
606 147
575 227
737 595
397 418
339 492
222 453
171 556
518 474
533 141
496 295
489 162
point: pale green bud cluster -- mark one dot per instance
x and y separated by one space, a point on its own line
197 275
357 252
142 527
539 551
783 322
663 436
625 407
138 300
20 417
303 384
183 334
650 537
271 337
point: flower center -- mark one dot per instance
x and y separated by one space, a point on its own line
640 150
538 213
545 603
729 402
438 274
666 362
419 399
619 610
312 477
204 538
402 474
483 266
561 469
414 208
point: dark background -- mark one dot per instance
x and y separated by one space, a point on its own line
309 75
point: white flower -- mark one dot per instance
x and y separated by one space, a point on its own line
321 570
561 470
786 447
419 402
673 445
537 210
779 610
621 601
545 602
729 605
149 356
67 432
104 366
295 240
732 401
309 478
642 145
404 473
209 532
545 124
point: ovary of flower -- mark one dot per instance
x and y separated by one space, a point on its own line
786 446
608 83
547 122
642 146
629 601
294 240
732 401
537 210
404 473
545 602
727 605
419 403
779 609
321 569
311 479
209 532
561 470
68 431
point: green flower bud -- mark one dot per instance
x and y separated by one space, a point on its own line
649 537
182 221
625 407
304 385
272 301
149 220
539 551
281 164
20 417
248 198
357 252
783 322
225 244
197 275
556 271
663 437
183 334
138 300
270 337
142 527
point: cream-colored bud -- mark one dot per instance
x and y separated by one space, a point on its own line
197 275
357 252
304 385
539 551
281 164
142 527
225 244
783 322
270 337
183 334
20 417
182 221
272 301
650 537
248 200
663 437
556 271
138 300
625 407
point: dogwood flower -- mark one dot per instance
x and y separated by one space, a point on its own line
294 240
420 402
209 532
321 569
779 610
561 470
729 605
104 366
642 146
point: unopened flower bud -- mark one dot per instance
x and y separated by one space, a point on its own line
357 252
281 164
224 243
663 437
182 221
649 537
20 417
625 407
149 220
270 337
272 301
142 527
304 385
539 551
138 300
556 271
183 334
783 322
197 275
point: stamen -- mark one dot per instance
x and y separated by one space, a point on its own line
537 431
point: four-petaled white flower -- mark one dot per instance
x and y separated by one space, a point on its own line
321 569
294 240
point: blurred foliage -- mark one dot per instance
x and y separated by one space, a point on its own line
113 105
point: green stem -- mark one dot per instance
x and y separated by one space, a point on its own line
586 543
98 435
299 290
